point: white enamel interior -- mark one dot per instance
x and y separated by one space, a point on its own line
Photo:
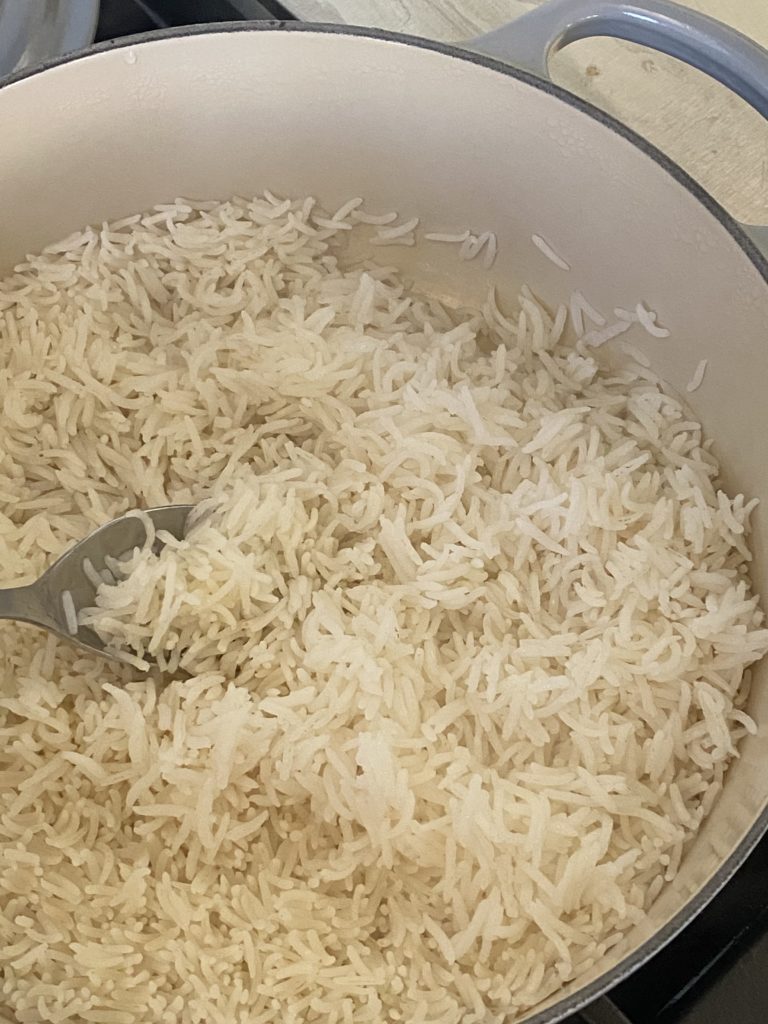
460 145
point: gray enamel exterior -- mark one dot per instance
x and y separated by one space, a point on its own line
719 51
32 31
712 47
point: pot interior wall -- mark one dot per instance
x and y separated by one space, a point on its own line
460 145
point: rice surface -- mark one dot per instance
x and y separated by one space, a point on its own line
463 619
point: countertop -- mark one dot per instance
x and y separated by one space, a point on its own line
712 134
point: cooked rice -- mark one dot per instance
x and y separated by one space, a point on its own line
546 249
70 613
473 245
91 573
466 619
399 239
581 307
596 338
698 376
363 217
397 230
447 236
647 319
491 249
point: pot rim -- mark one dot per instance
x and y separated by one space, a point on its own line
737 231
602 984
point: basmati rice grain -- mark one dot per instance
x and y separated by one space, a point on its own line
347 208
91 573
491 249
579 308
397 230
647 320
544 247
437 236
70 614
698 376
596 338
396 240
362 217
474 244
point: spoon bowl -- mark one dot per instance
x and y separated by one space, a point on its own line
70 584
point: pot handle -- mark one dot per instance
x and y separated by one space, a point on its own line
714 48
17 22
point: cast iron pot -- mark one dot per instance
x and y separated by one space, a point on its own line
464 137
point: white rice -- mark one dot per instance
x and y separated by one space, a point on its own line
599 337
70 613
343 212
93 576
401 238
473 245
447 236
464 619
698 376
397 230
363 217
491 249
579 308
544 247
470 245
647 319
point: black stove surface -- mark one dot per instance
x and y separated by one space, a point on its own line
716 972
127 17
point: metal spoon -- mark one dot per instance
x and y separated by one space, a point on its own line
42 602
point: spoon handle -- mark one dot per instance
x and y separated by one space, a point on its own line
24 604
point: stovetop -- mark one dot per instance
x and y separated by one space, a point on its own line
716 972
127 17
